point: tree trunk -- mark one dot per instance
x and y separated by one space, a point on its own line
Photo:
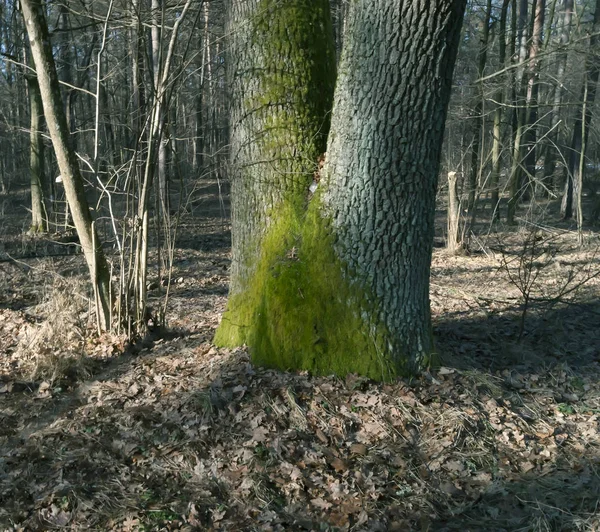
498 111
474 177
281 70
581 128
41 50
453 243
533 89
333 276
36 159
514 184
553 134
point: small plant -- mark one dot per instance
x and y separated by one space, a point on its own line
524 265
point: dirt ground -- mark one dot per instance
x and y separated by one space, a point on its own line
179 435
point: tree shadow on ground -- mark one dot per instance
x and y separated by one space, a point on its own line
552 335
185 435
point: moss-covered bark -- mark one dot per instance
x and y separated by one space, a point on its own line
339 282
300 309
281 70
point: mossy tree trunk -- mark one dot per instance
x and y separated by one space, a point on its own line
36 158
281 72
331 265
383 163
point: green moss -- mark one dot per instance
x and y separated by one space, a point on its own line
301 310
294 75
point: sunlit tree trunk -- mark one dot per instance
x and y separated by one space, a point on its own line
498 113
583 119
558 90
516 172
475 175
331 268
41 50
533 89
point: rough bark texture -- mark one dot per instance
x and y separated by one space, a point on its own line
36 158
337 281
41 51
385 142
282 73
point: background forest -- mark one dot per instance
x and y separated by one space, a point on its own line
117 409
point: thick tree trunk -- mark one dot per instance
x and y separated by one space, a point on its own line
41 50
281 70
331 272
383 162
36 158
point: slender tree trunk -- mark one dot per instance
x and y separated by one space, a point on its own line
498 112
533 89
558 89
476 169
36 158
581 128
516 172
41 50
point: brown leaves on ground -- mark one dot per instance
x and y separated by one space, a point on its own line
183 436
188 437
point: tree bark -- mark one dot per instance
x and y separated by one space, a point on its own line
498 112
475 174
514 183
583 119
383 162
533 89
453 243
41 50
36 159
330 269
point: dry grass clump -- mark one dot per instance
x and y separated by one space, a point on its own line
55 346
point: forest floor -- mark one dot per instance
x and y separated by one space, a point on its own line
179 435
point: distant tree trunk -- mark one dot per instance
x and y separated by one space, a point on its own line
533 89
498 112
453 243
558 90
36 158
581 128
41 50
475 175
516 172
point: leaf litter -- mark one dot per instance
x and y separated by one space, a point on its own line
184 436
